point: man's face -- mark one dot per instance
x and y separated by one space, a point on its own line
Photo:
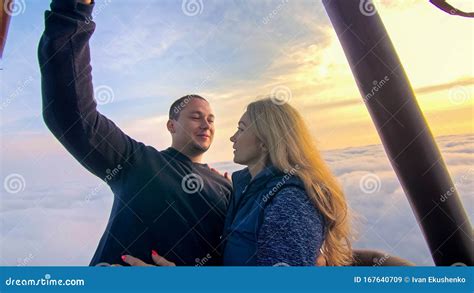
193 131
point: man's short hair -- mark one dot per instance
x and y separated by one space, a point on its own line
180 104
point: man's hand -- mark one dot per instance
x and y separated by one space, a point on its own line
226 174
85 1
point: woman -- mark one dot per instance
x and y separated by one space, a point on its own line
286 203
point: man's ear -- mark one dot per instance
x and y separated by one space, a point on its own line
170 126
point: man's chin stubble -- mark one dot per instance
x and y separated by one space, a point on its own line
198 148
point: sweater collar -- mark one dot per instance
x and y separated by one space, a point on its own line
243 177
268 177
182 157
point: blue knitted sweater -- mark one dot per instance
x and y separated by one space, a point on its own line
292 231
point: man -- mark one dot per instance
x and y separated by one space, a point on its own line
166 201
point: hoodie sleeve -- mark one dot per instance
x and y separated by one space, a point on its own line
69 108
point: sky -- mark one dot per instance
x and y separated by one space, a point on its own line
146 54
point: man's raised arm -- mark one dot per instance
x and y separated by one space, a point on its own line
69 109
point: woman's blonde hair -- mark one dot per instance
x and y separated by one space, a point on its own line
290 146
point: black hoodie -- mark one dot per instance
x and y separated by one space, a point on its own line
162 200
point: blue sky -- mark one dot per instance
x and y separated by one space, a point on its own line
149 53
154 55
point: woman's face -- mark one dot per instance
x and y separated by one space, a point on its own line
248 148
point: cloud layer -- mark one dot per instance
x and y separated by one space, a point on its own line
56 216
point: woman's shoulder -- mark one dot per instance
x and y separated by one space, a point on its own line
292 196
240 177
293 202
